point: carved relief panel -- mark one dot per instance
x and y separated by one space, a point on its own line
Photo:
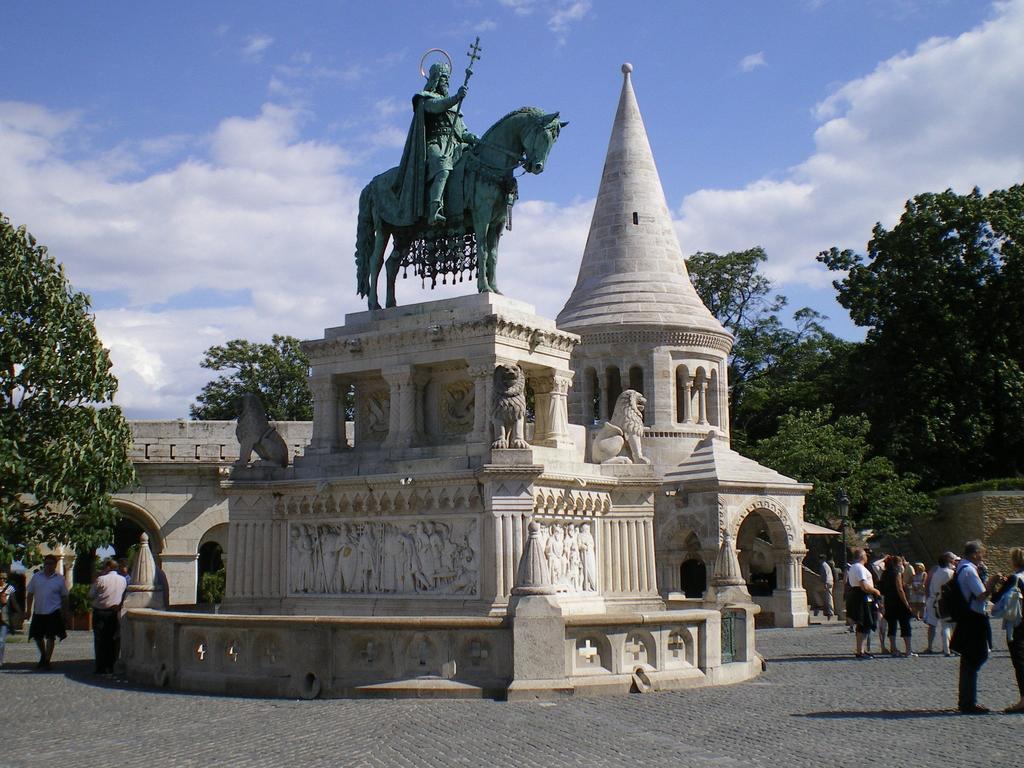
570 553
457 404
373 414
403 556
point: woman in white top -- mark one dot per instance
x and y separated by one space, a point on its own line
860 597
942 574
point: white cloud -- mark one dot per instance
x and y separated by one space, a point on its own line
567 14
263 212
946 115
561 14
752 61
256 45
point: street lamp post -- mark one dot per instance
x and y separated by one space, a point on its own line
843 507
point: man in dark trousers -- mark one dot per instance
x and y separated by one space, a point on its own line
973 635
107 594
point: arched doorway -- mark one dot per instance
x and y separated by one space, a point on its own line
693 575
133 523
211 557
758 540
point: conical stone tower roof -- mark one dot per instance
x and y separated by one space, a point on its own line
633 271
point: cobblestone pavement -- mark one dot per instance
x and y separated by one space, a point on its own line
815 706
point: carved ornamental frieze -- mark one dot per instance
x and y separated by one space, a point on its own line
409 556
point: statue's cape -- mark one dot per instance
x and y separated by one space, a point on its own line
409 187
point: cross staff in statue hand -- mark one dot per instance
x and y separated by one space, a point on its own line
474 55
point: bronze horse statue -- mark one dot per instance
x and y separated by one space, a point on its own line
478 200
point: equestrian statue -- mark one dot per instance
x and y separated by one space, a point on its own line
446 203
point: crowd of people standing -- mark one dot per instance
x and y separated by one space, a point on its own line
887 594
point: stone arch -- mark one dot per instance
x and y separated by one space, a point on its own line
774 515
683 394
144 519
613 386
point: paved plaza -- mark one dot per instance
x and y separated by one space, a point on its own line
815 706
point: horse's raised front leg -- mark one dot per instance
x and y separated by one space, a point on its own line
380 242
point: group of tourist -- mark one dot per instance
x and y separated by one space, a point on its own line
48 602
878 598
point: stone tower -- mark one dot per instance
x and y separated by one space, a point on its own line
643 327
642 324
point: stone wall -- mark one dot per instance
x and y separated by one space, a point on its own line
995 517
178 499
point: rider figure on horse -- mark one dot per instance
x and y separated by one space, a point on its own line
436 139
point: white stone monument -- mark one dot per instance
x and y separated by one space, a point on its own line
436 539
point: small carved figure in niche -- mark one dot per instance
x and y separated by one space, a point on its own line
589 557
508 414
574 561
618 440
255 433
365 560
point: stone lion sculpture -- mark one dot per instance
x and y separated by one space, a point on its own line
618 440
255 433
508 411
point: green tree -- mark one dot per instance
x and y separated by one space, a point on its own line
941 372
832 453
64 448
277 372
772 368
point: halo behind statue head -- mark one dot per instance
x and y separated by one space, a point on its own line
423 58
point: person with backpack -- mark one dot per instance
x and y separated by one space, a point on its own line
972 636
1008 606
937 579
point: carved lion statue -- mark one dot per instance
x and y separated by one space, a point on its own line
255 433
618 440
508 411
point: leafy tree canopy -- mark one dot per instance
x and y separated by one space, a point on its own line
277 372
64 448
833 453
772 368
941 373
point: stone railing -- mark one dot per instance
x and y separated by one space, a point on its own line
344 656
211 442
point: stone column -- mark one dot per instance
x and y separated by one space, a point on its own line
401 419
702 394
660 383
482 375
606 407
550 391
687 401
420 379
790 599
327 435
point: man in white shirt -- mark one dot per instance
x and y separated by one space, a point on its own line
48 603
972 635
860 597
107 594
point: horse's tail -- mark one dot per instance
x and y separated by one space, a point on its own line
364 240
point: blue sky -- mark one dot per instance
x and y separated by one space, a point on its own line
196 166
